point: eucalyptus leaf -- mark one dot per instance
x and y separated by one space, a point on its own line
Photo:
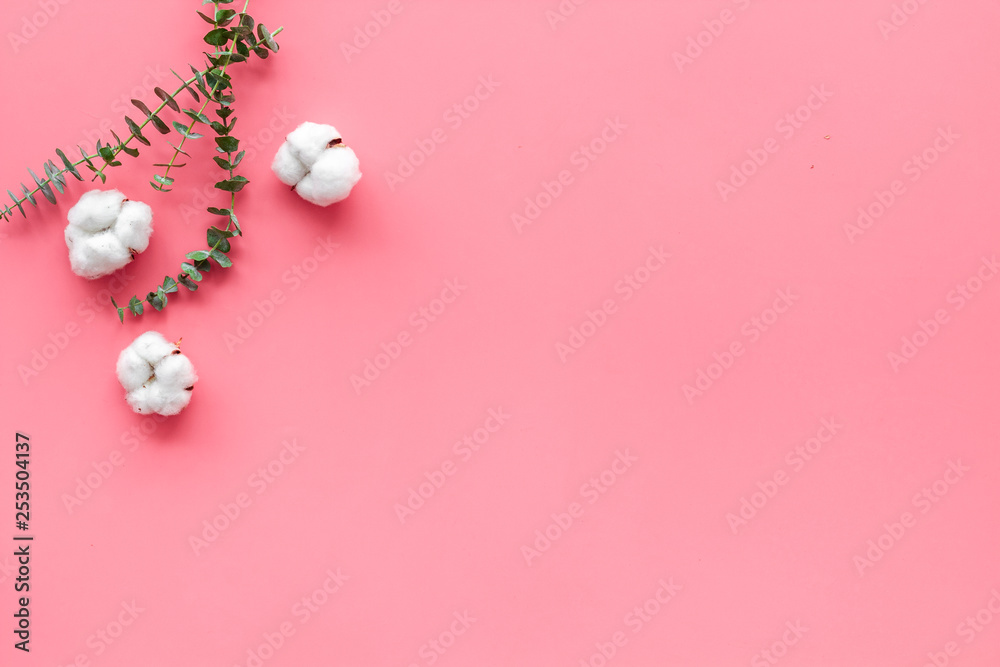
234 184
136 131
167 98
217 240
191 271
228 144
185 130
69 165
221 258
183 279
217 37
160 126
265 36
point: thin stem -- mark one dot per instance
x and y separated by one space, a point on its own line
115 150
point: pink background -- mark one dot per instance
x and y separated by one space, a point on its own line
790 580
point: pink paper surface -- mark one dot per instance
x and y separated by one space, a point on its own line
656 333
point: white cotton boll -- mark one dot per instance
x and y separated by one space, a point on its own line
316 163
176 372
134 225
287 167
105 231
96 210
157 378
173 402
133 370
152 346
96 255
309 140
331 178
146 400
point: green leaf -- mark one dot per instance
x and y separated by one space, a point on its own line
169 284
224 16
17 202
121 315
261 52
238 158
47 191
183 279
215 62
266 37
135 306
186 131
216 82
211 209
160 126
240 35
199 80
222 162
191 271
236 223
163 180
207 20
234 184
28 195
217 239
223 112
157 299
217 37
203 265
59 176
195 115
134 152
242 49
142 107
167 98
43 187
185 86
198 255
51 172
228 144
133 127
178 149
221 258
69 165
106 153
246 21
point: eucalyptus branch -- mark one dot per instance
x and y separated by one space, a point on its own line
240 40
105 155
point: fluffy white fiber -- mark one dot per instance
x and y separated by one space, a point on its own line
105 231
156 376
316 163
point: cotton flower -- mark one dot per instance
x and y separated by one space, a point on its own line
105 232
316 163
156 376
